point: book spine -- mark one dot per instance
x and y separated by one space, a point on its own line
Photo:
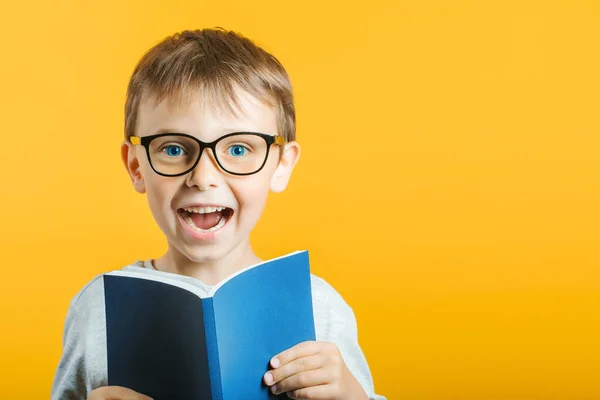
212 348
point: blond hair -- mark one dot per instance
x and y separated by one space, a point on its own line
213 62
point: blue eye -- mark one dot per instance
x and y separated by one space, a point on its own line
237 151
173 151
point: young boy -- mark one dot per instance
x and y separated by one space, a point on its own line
209 131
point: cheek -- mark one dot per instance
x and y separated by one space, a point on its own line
160 193
252 195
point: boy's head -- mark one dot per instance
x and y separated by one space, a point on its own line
209 130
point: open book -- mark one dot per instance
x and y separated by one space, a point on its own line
171 341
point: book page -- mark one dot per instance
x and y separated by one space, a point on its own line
230 277
183 285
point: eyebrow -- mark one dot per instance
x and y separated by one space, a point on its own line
168 130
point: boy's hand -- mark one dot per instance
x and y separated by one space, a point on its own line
116 393
313 370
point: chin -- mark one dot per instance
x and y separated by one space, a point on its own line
205 252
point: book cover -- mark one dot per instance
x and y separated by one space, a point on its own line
170 340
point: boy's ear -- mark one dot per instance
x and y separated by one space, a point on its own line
287 162
132 165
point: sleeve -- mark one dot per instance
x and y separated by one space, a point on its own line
354 357
69 379
82 366
335 322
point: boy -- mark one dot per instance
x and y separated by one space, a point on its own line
209 131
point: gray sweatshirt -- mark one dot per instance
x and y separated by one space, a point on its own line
83 365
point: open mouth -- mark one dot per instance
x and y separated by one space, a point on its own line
205 219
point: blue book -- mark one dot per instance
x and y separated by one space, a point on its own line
169 340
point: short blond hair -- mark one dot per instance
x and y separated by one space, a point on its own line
214 62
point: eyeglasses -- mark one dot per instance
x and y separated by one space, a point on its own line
239 153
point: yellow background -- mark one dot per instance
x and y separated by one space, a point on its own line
448 188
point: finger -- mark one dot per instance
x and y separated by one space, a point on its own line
321 392
300 350
294 367
116 393
302 380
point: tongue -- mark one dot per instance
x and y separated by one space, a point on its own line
206 221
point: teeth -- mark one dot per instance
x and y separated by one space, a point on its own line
204 210
189 221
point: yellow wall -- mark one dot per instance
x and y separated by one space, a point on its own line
449 184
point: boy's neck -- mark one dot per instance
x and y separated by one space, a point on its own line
211 272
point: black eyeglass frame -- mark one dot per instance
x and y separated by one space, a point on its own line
269 139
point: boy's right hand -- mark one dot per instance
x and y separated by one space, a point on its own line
116 393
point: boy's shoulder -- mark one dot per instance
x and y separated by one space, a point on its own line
326 293
90 291
93 291
330 308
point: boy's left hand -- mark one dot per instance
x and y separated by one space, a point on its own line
313 370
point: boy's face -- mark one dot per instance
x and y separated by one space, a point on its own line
207 185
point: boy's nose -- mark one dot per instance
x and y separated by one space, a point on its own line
207 173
